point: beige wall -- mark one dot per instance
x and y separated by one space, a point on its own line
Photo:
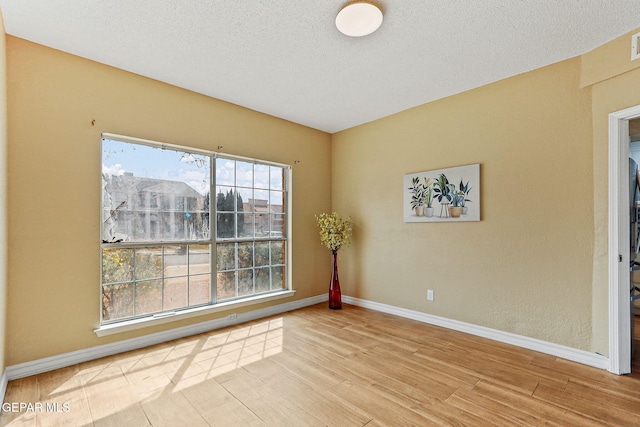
608 61
3 193
54 185
526 267
615 84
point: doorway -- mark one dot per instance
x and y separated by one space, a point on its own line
634 164
620 312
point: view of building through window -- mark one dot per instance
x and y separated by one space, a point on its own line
161 234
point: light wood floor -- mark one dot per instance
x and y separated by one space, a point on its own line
316 367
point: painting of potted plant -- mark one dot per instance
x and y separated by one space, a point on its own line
417 190
464 190
421 189
442 192
457 199
427 197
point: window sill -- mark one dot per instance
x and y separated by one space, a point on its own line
131 325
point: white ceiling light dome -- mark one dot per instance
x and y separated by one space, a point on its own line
359 18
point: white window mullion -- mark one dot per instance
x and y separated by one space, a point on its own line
213 248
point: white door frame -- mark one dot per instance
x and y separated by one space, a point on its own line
619 241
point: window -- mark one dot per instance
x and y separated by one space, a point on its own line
166 247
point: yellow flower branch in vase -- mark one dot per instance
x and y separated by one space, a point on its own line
335 233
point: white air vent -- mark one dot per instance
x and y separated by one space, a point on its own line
635 46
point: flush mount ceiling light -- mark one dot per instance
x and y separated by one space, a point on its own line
359 18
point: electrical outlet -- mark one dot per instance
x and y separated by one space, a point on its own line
232 317
430 295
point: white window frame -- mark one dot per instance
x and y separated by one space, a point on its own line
120 325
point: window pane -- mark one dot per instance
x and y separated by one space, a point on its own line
225 199
262 225
261 254
226 225
276 200
175 260
244 174
261 179
277 225
175 293
199 289
148 297
149 263
261 200
199 259
226 256
139 202
245 202
245 282
245 255
117 265
277 252
262 280
276 178
117 301
226 285
225 172
278 278
247 227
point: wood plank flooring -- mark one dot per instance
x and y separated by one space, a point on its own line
316 367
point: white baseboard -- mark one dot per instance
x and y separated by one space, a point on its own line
3 385
69 359
591 359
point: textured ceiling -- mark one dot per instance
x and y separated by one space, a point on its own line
286 58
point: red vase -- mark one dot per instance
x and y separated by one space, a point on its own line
335 297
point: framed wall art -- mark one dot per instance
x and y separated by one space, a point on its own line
443 195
